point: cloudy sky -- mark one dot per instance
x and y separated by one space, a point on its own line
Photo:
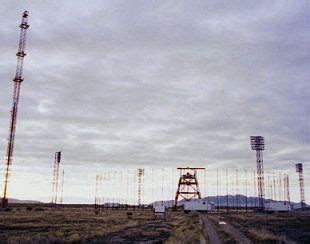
127 84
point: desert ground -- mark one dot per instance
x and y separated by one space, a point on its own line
79 224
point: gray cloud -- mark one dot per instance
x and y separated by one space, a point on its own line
157 83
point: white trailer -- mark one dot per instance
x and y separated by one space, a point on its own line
296 206
196 206
159 209
277 207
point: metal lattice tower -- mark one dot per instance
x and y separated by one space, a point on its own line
56 177
299 170
188 187
257 144
140 175
17 83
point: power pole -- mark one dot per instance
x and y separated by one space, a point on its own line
287 188
254 190
246 191
257 144
97 194
140 175
162 187
280 188
274 187
237 188
217 189
17 83
226 192
62 186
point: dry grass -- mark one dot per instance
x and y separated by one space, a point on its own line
80 224
188 229
65 224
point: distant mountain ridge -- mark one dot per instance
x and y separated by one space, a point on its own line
240 200
222 201
233 201
13 200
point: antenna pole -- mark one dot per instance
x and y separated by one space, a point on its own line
17 84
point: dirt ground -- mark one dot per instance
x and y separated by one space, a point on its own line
81 224
260 227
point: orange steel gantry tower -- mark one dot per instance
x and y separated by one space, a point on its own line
188 187
17 83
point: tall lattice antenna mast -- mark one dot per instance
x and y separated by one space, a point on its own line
258 144
17 83
56 177
299 170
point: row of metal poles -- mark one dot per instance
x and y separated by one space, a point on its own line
236 189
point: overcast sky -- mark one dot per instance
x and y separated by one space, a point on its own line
126 84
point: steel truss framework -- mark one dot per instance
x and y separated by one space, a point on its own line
188 186
258 144
18 79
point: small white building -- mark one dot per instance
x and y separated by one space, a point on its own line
111 205
197 206
211 207
296 206
159 211
278 207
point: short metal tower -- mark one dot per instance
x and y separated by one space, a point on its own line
188 187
